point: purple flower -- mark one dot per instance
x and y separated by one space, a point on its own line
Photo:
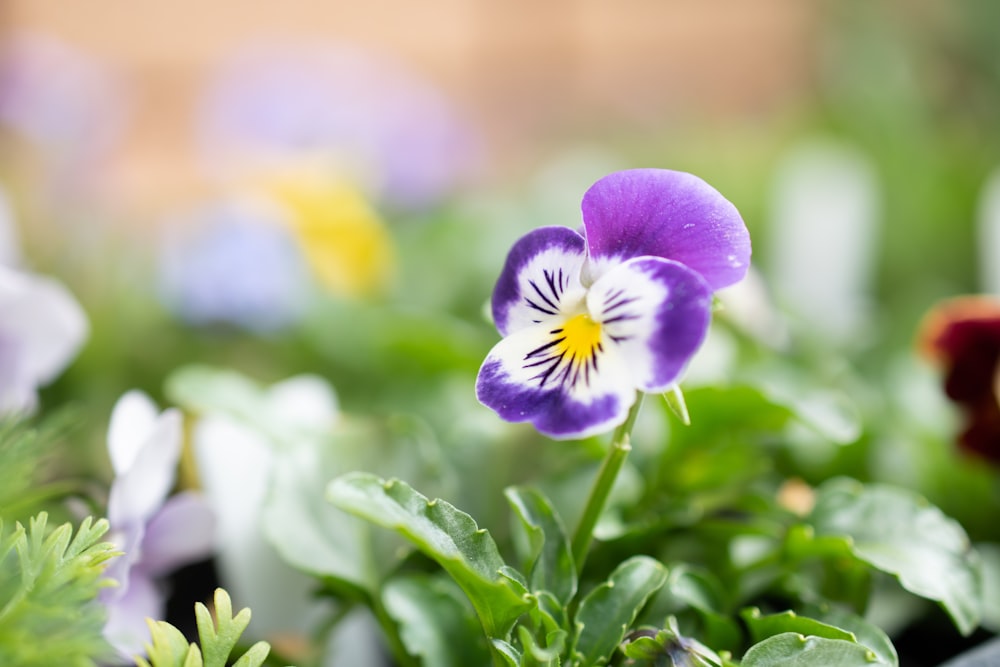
591 318
65 102
389 129
236 263
156 534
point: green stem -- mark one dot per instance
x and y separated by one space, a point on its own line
613 461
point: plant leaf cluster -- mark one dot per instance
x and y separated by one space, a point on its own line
49 582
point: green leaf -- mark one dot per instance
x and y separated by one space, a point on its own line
447 535
899 532
435 623
218 641
505 653
791 649
550 561
866 633
541 654
607 612
49 583
674 398
762 626
700 590
169 648
990 553
218 635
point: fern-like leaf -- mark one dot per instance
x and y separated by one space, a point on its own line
49 582
218 637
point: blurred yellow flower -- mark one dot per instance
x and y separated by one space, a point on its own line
344 240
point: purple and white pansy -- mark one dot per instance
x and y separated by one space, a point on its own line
591 318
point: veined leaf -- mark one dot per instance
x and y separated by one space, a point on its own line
447 535
867 633
899 532
434 623
791 649
550 566
762 626
606 613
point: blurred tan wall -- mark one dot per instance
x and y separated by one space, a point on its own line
525 70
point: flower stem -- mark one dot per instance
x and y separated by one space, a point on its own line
617 453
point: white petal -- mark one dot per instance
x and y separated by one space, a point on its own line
234 464
132 420
41 329
305 401
654 313
527 377
138 493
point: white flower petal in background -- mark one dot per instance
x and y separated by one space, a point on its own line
234 464
825 214
140 490
304 401
132 421
42 328
988 219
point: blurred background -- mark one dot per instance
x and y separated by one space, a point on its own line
202 175
331 187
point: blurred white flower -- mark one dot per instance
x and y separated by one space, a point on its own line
157 534
42 327
825 218
235 463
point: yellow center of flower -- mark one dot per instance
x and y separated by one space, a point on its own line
581 338
570 355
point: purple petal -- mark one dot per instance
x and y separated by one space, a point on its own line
541 275
668 214
527 378
656 312
126 627
182 532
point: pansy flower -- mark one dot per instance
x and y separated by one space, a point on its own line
591 318
962 335
156 534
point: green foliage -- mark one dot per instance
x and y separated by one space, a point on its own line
898 532
49 582
548 558
445 534
25 449
217 636
607 612
790 649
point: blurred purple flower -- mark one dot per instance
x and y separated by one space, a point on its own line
156 534
392 131
590 319
234 262
59 98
